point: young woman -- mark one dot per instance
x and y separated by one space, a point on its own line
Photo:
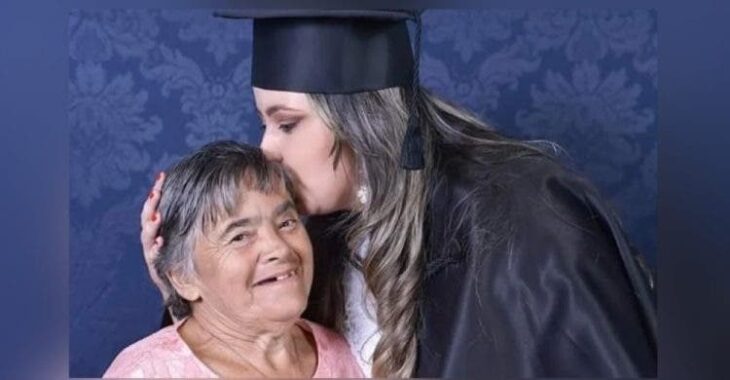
471 254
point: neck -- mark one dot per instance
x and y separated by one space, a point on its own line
265 350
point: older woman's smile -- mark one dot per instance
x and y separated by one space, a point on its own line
285 276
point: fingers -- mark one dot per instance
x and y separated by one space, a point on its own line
159 241
153 252
150 220
153 199
159 181
148 236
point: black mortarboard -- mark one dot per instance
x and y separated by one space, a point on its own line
337 52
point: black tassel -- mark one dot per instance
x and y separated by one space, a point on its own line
411 157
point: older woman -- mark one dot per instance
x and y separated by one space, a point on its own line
237 270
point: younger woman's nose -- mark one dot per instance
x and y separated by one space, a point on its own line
270 149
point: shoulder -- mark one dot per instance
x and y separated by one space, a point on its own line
529 189
525 214
500 197
517 178
541 191
333 353
547 205
327 339
148 357
531 208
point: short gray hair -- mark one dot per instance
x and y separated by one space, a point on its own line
198 191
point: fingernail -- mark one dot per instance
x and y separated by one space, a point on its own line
159 175
154 217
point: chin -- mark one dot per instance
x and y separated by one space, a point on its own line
313 207
287 310
307 208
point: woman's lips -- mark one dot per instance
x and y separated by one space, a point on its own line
278 277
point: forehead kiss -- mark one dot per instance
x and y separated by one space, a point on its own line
298 135
252 214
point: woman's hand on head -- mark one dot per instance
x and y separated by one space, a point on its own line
150 221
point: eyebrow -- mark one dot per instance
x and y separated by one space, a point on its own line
243 222
284 207
276 108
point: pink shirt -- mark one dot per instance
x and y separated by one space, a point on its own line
165 354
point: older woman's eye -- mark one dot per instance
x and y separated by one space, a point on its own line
288 224
240 237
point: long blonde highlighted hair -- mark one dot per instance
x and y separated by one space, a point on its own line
373 124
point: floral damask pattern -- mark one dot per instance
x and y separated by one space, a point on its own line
646 60
475 83
146 87
468 32
607 102
223 37
590 35
108 131
108 114
218 104
96 36
587 111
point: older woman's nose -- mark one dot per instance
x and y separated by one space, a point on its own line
280 253
274 248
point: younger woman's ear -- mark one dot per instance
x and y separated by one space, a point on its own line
185 286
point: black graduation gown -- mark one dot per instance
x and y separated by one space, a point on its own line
564 296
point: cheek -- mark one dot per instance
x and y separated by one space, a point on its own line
314 157
229 275
323 188
301 244
317 181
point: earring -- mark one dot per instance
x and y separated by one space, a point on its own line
363 194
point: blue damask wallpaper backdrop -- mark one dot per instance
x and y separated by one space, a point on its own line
147 86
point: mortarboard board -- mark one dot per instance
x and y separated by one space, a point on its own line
337 52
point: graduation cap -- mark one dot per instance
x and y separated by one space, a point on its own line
338 52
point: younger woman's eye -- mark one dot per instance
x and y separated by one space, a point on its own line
286 128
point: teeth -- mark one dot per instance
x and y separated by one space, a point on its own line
278 278
285 276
